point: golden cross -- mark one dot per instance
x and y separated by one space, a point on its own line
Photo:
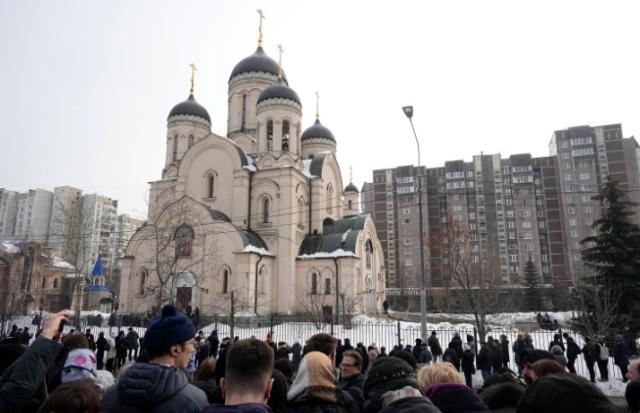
280 61
317 105
193 75
260 27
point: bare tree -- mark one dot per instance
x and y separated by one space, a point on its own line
312 306
597 304
474 278
176 250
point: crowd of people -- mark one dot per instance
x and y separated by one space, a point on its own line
173 368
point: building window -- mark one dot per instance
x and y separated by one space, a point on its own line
269 135
183 237
244 112
225 281
266 209
573 222
142 281
350 205
329 198
327 286
55 283
368 254
210 185
190 142
175 148
314 283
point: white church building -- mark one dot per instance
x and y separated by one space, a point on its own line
257 220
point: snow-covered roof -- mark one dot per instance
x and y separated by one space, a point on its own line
60 263
9 247
253 249
250 165
339 253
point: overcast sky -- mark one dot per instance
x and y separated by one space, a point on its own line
86 86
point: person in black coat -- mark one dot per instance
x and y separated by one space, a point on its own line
296 354
434 346
572 353
456 344
504 345
214 343
621 356
557 341
451 356
101 345
590 357
484 361
468 367
351 378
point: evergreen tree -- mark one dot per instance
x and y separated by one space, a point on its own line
530 279
613 254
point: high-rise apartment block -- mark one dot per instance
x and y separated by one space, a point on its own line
513 209
76 226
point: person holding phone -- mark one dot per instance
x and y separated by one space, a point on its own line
22 386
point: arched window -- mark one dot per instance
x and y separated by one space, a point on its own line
329 197
301 213
262 281
285 135
184 236
269 135
210 185
142 282
327 286
350 205
175 148
266 209
44 282
244 112
55 283
314 283
190 143
368 253
225 281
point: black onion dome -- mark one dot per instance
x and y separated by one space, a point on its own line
317 130
190 107
351 188
279 90
257 62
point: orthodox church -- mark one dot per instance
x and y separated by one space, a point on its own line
257 221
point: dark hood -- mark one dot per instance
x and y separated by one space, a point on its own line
149 384
451 397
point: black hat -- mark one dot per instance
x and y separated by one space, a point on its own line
407 356
388 373
418 341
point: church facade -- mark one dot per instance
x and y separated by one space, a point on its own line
257 221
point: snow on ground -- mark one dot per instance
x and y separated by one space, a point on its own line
387 332
9 247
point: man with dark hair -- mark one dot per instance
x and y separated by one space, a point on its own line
247 383
351 377
323 343
160 385
528 358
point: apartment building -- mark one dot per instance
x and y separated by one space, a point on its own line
514 209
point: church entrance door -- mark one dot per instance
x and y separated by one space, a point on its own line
183 297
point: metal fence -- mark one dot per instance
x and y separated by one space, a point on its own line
383 333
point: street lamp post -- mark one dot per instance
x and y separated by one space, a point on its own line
408 111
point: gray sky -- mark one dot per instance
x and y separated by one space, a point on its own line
86 86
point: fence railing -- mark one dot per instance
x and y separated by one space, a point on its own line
383 333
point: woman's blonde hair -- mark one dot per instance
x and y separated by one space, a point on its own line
438 373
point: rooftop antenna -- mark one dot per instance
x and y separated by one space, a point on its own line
317 106
280 61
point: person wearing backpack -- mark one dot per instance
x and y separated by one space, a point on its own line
602 352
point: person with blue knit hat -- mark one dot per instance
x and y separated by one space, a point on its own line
160 385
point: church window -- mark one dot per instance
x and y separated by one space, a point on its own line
350 205
55 283
314 283
327 286
368 253
244 112
175 148
210 185
225 281
266 209
262 283
190 144
269 135
184 239
301 213
285 135
44 282
329 197
143 281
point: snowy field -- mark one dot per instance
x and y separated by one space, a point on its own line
387 332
